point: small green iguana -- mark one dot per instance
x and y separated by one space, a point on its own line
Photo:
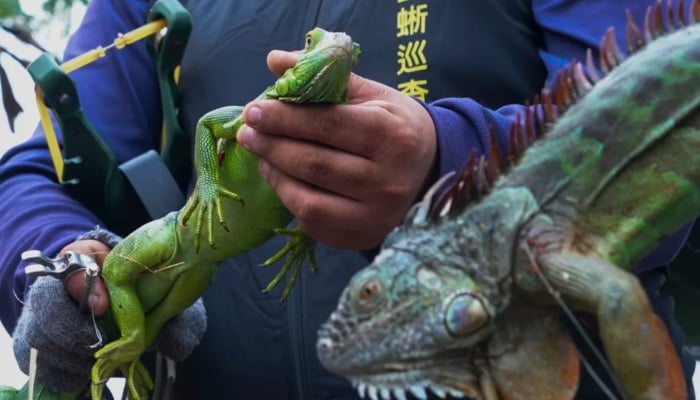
160 269
463 298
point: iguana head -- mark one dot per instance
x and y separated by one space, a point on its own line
436 309
322 71
403 325
415 318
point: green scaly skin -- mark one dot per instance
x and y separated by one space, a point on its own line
40 393
459 303
161 268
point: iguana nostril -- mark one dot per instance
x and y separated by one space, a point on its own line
324 344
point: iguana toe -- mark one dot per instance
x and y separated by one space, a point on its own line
231 195
296 250
101 372
138 381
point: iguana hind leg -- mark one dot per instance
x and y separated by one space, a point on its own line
636 341
187 288
143 253
123 353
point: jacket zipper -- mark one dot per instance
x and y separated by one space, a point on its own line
295 309
296 331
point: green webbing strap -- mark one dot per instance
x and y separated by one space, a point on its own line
167 51
90 171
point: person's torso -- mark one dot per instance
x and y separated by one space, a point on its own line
256 346
483 49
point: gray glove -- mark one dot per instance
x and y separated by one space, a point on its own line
183 332
52 323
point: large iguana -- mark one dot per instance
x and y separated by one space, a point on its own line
162 268
463 298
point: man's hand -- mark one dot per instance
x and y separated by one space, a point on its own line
66 338
75 284
177 338
348 173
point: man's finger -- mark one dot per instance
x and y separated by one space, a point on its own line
336 126
312 207
278 61
98 301
329 169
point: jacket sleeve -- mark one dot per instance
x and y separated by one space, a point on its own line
34 211
569 28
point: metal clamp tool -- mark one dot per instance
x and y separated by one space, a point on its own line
62 267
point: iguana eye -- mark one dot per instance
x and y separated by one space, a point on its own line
369 290
309 41
367 296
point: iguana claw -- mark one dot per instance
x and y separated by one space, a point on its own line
122 355
212 201
297 250
138 380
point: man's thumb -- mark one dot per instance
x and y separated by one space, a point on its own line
279 61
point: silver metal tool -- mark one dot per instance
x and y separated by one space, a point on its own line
62 267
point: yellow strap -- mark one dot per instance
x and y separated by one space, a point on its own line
176 77
51 139
121 41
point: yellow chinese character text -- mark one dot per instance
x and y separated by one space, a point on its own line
412 20
415 88
411 57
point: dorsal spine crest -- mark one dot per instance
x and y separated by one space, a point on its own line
570 85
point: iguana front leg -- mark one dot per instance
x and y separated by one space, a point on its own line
636 341
299 248
221 123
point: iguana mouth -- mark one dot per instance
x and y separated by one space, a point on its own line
419 391
449 373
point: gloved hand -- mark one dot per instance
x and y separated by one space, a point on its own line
182 334
52 323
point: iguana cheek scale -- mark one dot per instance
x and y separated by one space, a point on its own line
465 296
162 267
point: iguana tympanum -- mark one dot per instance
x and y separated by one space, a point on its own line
463 298
161 268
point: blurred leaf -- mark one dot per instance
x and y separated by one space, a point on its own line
9 101
23 33
50 6
10 9
21 25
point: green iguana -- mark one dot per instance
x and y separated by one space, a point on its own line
463 298
161 268
40 393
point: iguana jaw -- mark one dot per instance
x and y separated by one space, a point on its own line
451 372
398 333
446 374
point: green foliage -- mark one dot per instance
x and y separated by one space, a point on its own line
13 20
50 6
10 9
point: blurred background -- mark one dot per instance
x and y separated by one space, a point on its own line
28 28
